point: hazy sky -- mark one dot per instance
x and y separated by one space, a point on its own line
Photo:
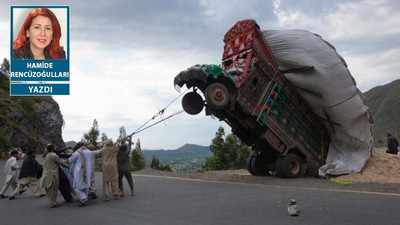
126 53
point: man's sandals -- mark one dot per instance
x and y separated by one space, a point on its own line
83 203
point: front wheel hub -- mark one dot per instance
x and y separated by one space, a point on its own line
218 95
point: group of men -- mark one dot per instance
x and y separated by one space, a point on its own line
70 173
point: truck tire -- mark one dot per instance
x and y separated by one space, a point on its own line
292 166
248 164
258 166
278 166
192 103
217 95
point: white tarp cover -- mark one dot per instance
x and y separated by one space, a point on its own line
331 92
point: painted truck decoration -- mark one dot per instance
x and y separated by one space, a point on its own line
251 95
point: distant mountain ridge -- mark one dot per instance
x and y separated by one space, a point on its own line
186 149
186 158
70 143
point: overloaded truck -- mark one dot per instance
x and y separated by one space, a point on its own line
252 96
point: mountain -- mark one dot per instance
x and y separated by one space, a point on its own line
27 122
70 144
384 104
189 157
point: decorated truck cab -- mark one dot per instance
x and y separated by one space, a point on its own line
252 96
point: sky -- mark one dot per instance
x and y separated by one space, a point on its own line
124 55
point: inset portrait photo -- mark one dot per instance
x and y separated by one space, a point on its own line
39 33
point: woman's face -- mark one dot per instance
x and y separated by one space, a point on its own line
40 33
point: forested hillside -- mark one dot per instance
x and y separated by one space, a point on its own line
186 158
384 104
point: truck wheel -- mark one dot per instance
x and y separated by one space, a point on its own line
258 166
248 165
278 166
217 95
291 166
192 103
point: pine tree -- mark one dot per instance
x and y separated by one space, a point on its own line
137 159
155 163
5 67
92 135
218 141
165 167
122 133
103 138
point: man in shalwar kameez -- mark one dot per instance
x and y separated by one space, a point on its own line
11 170
92 189
81 169
50 179
110 169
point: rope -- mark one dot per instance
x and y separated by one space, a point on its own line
159 113
138 131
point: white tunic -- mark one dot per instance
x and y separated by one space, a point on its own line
11 169
77 181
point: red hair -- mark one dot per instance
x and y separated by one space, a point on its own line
54 48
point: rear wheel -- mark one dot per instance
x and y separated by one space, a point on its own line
192 103
291 166
257 166
217 95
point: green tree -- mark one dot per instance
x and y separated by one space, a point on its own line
5 67
165 167
122 133
211 163
137 159
231 151
92 135
218 141
243 154
220 150
103 138
228 152
155 163
4 76
214 162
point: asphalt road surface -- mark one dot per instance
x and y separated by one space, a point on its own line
171 201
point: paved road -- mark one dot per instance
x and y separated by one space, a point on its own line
171 201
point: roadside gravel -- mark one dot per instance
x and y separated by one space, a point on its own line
242 176
380 174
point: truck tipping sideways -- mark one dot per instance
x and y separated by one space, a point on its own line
262 107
